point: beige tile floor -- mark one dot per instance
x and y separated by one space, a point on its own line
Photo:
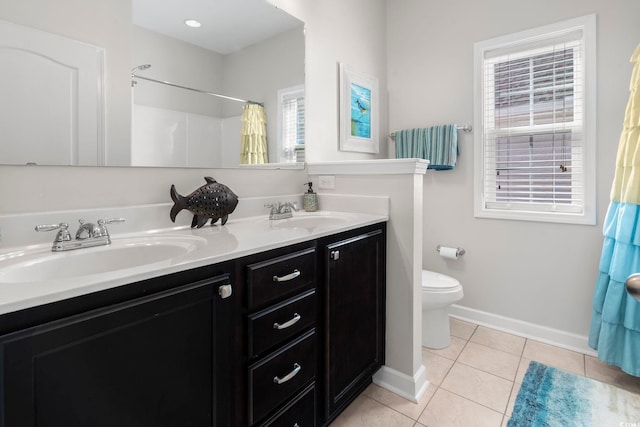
474 382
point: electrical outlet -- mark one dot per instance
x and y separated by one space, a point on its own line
327 182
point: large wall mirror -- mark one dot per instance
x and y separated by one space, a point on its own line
197 91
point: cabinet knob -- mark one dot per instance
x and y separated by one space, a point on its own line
335 255
225 291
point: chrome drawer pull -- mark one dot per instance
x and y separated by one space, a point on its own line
291 322
290 276
296 369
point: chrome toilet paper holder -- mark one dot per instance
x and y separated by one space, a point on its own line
459 251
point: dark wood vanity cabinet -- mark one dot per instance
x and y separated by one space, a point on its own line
298 338
315 316
152 360
354 314
282 343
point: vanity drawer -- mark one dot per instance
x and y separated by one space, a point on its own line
274 325
274 279
280 375
300 411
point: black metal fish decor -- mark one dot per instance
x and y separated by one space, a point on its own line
212 201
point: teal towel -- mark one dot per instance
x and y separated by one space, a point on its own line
438 144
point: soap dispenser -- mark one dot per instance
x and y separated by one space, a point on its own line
310 199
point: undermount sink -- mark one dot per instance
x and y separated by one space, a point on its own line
40 264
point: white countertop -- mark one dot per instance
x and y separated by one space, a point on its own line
237 238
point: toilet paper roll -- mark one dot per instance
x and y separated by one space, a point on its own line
449 253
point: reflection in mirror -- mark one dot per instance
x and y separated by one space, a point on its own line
50 105
174 126
249 56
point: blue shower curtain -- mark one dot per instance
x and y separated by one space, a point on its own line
615 322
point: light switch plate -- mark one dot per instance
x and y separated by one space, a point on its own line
326 182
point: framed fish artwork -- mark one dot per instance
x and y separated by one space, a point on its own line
358 111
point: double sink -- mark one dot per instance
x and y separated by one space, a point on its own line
37 263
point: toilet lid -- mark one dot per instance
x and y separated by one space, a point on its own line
431 279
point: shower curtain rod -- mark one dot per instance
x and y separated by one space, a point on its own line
465 128
246 101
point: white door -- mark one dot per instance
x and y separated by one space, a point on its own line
51 99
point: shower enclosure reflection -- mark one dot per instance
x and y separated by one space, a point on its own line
196 140
191 115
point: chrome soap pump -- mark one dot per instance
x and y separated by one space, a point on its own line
310 199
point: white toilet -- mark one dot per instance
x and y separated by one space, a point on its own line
439 291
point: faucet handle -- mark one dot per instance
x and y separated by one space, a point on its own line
275 207
62 236
292 205
51 227
101 230
110 221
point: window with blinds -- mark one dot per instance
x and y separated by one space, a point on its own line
291 124
532 89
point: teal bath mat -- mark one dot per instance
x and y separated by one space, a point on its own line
550 397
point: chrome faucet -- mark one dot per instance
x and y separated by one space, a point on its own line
87 230
88 234
281 210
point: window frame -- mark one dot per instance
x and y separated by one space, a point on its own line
285 94
527 42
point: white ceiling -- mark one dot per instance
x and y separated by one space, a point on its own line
227 25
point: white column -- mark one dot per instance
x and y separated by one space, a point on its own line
401 180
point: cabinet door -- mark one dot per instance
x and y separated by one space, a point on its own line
354 317
146 362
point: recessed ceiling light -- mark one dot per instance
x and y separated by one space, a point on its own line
193 23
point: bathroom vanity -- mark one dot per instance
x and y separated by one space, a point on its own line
284 333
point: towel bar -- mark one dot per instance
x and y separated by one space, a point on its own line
465 128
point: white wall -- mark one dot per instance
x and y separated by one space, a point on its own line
353 32
177 62
51 188
257 72
534 272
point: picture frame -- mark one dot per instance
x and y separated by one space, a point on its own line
358 111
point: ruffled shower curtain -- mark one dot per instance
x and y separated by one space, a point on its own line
253 135
615 322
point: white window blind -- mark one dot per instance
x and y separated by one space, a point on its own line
292 125
534 139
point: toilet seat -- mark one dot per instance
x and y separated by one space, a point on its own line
436 282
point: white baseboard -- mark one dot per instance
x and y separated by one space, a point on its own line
540 333
411 388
